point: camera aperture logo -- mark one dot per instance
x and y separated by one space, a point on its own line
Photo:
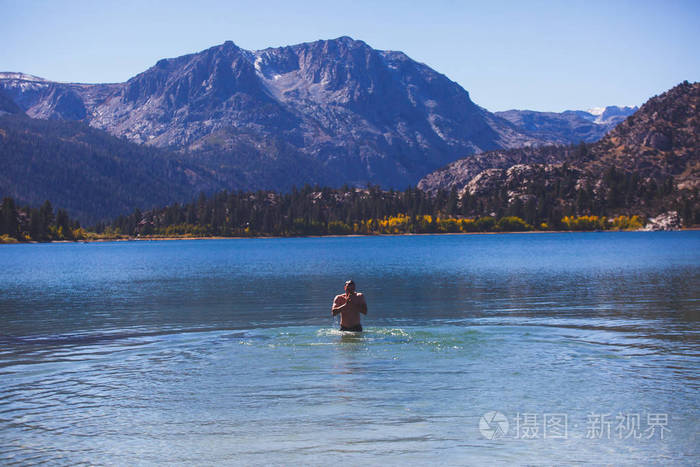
493 425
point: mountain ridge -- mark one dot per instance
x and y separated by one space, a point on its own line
347 112
569 126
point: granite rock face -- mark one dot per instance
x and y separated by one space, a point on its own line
460 173
329 112
665 221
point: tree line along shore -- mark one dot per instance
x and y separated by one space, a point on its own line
316 211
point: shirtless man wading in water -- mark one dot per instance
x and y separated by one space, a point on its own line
350 305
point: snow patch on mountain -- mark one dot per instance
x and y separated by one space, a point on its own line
19 76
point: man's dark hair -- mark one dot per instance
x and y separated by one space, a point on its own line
350 282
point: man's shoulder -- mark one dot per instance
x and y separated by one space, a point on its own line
338 296
361 295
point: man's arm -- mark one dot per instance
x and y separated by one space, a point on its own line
337 308
363 305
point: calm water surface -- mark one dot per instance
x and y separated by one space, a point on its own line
224 352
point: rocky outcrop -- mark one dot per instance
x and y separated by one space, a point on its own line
460 173
665 221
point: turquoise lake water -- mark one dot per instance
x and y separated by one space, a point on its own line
479 349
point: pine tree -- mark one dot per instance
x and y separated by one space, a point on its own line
9 224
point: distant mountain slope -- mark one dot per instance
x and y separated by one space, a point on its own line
7 105
331 112
657 148
611 115
90 173
571 126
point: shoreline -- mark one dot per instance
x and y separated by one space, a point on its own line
389 235
158 239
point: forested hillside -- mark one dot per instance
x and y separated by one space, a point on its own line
89 173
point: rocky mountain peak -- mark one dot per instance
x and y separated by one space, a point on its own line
218 72
351 113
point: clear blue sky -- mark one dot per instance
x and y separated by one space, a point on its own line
540 55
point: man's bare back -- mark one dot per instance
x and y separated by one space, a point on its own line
349 305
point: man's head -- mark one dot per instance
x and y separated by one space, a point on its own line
350 286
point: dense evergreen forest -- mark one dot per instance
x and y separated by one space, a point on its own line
40 224
326 211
